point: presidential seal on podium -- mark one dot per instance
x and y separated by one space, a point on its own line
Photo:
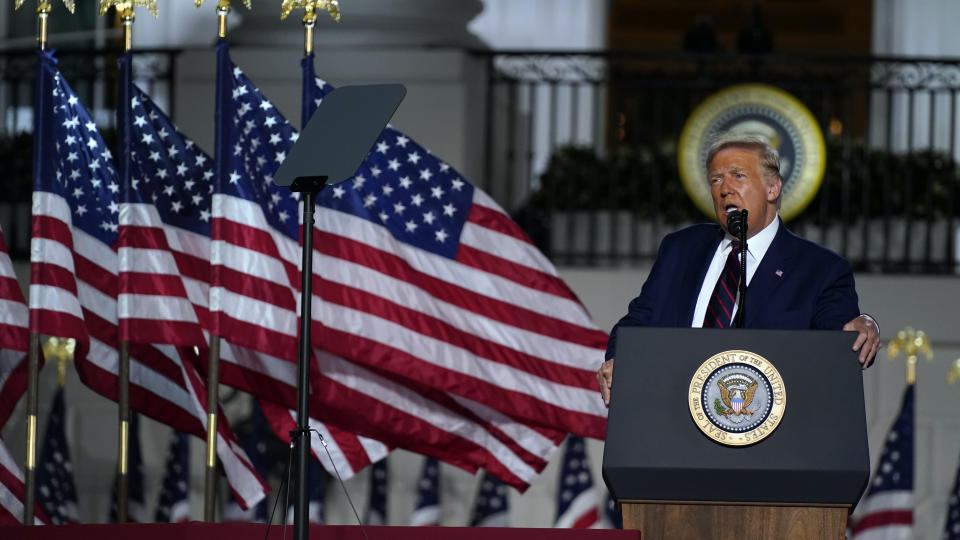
737 398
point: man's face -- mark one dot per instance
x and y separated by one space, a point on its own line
737 183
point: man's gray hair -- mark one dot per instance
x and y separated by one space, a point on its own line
769 158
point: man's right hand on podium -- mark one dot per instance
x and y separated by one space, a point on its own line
605 380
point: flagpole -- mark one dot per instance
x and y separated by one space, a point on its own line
33 351
125 8
300 436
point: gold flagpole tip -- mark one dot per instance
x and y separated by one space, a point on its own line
223 4
44 6
332 7
911 343
61 350
125 7
954 373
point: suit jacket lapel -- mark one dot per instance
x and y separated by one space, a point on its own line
766 280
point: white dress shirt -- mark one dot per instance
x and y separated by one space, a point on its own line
756 248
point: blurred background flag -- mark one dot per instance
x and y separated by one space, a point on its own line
491 508
612 517
318 490
951 529
377 500
173 505
56 492
136 505
577 500
886 512
256 447
427 510
14 336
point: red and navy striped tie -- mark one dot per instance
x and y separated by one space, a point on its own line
720 309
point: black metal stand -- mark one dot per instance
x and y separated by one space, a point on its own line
300 437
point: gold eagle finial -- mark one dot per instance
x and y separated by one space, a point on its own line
332 7
911 343
125 7
46 5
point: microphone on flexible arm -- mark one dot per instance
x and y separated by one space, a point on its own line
737 225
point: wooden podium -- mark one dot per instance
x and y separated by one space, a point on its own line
671 481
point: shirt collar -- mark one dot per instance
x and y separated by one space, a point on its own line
760 243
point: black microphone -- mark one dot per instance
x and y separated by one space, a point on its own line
737 225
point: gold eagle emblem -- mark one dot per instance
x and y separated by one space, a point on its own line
737 390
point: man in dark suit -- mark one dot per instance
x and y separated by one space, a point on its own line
792 283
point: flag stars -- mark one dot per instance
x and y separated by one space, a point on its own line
441 235
71 123
181 169
72 156
338 192
77 193
196 200
428 218
163 133
244 109
172 151
176 206
387 190
382 147
383 217
205 215
416 200
425 174
402 141
280 157
375 171
200 160
147 138
275 138
413 157
369 200
234 177
114 207
449 209
71 140
405 182
168 191
436 192
457 184
398 208
393 164
283 216
74 174
444 167
410 226
139 121
81 209
189 184
162 174
270 121
358 181
92 143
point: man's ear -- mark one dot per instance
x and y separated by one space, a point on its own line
773 189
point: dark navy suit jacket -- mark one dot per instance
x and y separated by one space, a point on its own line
798 284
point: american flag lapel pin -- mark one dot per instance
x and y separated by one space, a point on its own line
779 273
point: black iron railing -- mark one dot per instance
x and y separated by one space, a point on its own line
582 150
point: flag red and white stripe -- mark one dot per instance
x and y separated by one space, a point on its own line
12 492
14 336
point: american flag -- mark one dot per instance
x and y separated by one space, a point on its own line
491 508
951 529
886 512
254 230
316 496
427 510
55 488
377 496
12 492
577 500
612 517
74 274
255 445
173 505
136 502
14 336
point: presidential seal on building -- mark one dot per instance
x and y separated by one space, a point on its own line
764 111
737 398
